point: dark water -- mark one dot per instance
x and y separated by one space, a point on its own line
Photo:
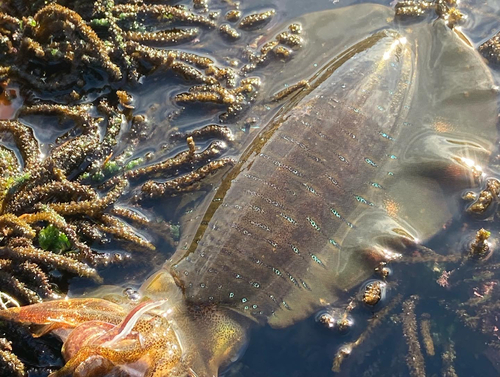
307 349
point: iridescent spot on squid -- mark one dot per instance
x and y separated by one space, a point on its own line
376 185
259 225
342 158
257 179
272 243
256 208
310 189
316 259
313 223
256 261
339 216
334 243
276 271
370 162
304 284
288 218
268 200
362 200
336 213
333 180
301 145
281 165
293 280
386 136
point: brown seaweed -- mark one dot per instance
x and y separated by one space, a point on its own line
444 9
52 212
9 362
69 49
46 197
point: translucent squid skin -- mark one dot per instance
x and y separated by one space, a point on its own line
362 165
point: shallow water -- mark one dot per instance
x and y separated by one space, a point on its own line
306 349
